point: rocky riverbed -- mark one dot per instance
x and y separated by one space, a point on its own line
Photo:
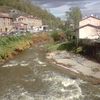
77 64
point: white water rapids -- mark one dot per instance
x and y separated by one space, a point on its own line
30 77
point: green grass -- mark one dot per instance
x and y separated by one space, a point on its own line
69 46
9 44
52 46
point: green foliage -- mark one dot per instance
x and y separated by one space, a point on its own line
74 16
62 46
52 46
8 44
70 46
69 34
55 35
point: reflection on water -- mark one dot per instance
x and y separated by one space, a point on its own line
30 77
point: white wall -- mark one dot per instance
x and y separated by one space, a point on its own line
88 33
90 20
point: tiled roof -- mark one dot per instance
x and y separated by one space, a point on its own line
90 17
4 15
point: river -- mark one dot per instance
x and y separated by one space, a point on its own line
30 76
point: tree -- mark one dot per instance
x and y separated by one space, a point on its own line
74 16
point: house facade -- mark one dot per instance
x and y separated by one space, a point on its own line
29 23
5 23
19 26
89 28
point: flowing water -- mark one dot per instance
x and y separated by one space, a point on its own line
31 77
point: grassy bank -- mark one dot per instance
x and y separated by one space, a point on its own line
12 45
61 46
63 42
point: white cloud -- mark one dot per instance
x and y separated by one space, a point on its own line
60 11
59 7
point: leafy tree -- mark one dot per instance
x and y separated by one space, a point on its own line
74 16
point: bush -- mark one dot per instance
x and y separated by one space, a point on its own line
69 46
52 46
8 44
55 35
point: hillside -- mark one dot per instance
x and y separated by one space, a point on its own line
28 7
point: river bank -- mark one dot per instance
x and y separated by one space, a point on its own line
77 64
10 46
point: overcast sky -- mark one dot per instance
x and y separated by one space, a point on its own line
59 7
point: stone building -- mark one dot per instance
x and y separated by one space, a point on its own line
5 23
31 22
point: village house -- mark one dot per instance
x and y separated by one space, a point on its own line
5 23
44 28
89 28
28 23
20 26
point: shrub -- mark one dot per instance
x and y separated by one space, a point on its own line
8 44
55 35
52 46
69 46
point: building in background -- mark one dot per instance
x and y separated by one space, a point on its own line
5 23
44 28
20 26
89 28
29 23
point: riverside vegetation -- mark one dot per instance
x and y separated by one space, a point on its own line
13 44
68 42
60 42
66 38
